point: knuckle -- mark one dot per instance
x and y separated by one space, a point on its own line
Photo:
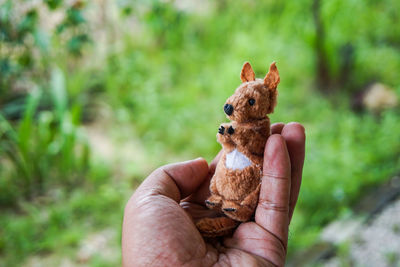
270 175
272 205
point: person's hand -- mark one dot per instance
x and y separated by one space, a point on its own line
158 228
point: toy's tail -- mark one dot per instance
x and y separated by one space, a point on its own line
219 226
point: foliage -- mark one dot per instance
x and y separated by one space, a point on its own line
353 49
66 220
22 38
43 151
167 78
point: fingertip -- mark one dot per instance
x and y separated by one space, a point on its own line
199 169
276 128
295 137
295 128
200 163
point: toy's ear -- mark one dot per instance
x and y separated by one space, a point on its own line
247 73
272 78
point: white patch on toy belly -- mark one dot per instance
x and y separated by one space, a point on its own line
236 160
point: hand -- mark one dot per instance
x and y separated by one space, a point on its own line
158 228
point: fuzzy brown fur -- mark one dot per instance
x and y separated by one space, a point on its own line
234 191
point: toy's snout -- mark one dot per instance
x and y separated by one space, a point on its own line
228 108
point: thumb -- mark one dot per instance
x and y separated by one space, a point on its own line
175 181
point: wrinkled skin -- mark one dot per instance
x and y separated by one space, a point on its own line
158 228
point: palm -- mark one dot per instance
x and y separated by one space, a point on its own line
157 231
249 245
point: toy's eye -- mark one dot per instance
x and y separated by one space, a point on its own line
251 101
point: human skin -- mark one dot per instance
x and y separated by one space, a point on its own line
158 228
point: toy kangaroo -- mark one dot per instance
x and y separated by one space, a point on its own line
236 183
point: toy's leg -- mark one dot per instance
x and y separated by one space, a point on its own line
252 199
214 201
235 211
242 211
213 227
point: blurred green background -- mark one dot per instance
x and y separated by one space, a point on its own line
96 94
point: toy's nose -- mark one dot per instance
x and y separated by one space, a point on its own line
228 108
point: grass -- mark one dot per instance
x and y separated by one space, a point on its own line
45 150
59 223
159 94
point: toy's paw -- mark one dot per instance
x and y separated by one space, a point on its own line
229 209
236 211
213 227
226 128
221 129
213 202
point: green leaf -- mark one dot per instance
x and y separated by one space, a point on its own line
58 92
25 128
75 17
42 39
5 11
53 4
76 43
29 22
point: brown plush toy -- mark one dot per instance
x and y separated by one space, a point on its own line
236 183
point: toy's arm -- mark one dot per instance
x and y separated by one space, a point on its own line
224 136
